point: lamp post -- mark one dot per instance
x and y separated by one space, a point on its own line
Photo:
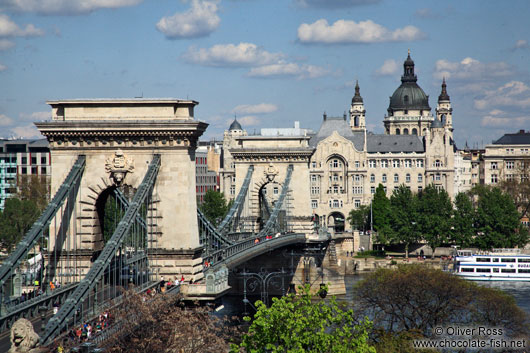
42 311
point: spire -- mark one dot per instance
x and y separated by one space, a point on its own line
443 95
408 70
357 97
235 125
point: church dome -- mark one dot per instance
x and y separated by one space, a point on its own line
409 95
235 125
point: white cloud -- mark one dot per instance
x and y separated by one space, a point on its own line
389 67
521 44
471 69
27 131
345 31
66 7
3 67
249 120
514 94
262 108
199 21
231 55
498 118
335 4
6 44
9 28
284 69
5 120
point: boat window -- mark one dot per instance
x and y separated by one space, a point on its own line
507 260
495 259
495 269
523 270
483 270
523 260
508 270
483 259
467 269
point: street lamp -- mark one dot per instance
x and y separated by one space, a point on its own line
42 311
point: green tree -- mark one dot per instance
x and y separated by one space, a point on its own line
404 216
434 216
214 206
297 324
113 214
381 215
15 220
497 220
35 188
462 230
359 218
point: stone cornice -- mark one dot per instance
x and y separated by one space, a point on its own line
264 155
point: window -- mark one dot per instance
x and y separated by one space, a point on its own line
384 163
509 165
335 177
335 203
398 132
357 178
437 163
508 260
395 163
43 160
313 178
420 178
494 165
315 190
314 203
407 178
335 163
384 178
467 269
232 190
437 177
508 270
43 170
384 188
358 190
419 163
24 160
357 164
405 131
372 190
275 190
313 164
396 178
372 178
523 270
371 163
483 270
420 189
414 131
494 178
523 260
408 163
357 203
24 170
335 189
483 259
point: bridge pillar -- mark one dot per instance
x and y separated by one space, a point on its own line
119 138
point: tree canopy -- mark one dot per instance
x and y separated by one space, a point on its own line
404 216
381 215
15 220
296 324
359 218
214 206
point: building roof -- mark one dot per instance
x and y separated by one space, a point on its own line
342 127
235 125
409 95
519 138
394 143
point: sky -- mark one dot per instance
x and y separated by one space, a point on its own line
268 62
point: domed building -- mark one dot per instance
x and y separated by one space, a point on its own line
339 167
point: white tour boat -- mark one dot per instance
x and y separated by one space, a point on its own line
497 265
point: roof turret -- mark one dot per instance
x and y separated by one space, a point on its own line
357 97
235 125
443 95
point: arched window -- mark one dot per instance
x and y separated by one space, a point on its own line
414 131
372 178
384 178
398 132
396 178
407 178
405 131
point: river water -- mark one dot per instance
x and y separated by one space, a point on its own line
234 306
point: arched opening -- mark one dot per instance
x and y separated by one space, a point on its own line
398 132
108 215
356 121
316 220
414 131
336 220
269 193
405 131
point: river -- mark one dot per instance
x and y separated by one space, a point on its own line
233 305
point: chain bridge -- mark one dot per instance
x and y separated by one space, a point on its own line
124 215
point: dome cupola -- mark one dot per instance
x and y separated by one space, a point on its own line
235 125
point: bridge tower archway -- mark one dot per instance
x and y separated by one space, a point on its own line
336 221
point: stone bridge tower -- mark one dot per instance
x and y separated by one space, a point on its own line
119 138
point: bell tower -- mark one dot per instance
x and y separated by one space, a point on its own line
444 111
357 111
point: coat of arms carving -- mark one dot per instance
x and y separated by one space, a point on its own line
271 172
118 166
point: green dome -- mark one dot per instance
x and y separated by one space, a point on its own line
409 95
